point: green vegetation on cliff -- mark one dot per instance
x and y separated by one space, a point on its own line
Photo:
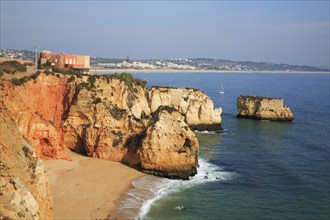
129 79
12 67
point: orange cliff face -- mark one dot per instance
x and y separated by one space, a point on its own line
37 107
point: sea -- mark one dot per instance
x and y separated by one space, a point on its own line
253 169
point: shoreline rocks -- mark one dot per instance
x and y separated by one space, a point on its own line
263 108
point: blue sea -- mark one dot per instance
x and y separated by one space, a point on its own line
255 169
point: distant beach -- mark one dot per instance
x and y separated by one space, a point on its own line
104 70
88 188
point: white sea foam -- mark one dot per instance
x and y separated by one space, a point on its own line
205 132
149 189
211 132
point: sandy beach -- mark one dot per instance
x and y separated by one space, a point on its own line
128 70
88 188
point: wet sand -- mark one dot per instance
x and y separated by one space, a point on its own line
88 188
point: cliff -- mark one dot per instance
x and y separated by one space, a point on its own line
197 107
111 117
24 187
263 108
103 119
37 105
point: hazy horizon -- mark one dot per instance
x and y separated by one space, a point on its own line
294 32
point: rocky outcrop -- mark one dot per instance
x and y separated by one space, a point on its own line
112 120
103 119
111 117
263 108
197 107
169 147
24 187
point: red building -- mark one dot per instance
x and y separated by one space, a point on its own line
65 61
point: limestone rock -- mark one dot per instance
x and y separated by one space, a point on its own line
24 188
103 118
111 117
169 147
194 104
263 108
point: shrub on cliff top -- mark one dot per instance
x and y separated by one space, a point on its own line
91 80
129 79
57 69
12 67
25 79
71 72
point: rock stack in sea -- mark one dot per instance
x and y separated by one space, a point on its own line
263 108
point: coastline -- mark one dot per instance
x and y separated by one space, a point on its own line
88 188
104 70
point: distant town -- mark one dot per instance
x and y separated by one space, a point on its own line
193 64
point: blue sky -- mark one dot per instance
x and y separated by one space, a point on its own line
294 32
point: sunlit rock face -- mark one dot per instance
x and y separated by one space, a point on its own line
37 107
112 117
103 119
263 108
169 147
194 104
24 188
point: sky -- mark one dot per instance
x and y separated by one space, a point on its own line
292 32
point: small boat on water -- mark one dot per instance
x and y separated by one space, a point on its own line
222 91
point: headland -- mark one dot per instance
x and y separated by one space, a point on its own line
111 117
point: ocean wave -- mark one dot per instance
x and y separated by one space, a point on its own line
207 132
158 188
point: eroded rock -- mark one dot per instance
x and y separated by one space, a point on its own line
263 108
24 188
102 119
194 104
169 147
108 117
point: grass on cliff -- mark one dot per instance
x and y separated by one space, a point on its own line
25 79
11 67
57 69
91 79
127 78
